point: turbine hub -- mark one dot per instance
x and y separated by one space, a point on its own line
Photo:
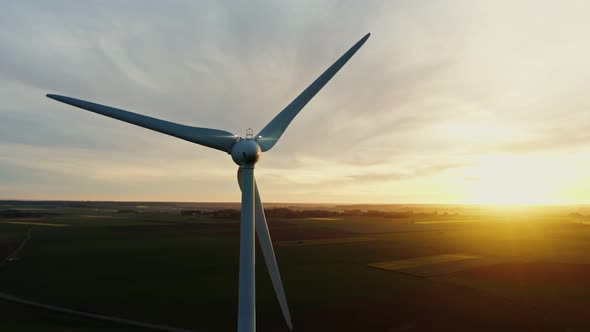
246 152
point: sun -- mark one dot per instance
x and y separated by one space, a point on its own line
513 180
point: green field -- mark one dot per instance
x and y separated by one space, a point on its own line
161 267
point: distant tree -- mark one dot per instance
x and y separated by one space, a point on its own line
127 211
191 212
25 214
77 205
283 212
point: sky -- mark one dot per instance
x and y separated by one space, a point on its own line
454 102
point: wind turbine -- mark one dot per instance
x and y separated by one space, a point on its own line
245 151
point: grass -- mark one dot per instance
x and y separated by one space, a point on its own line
421 261
322 241
164 268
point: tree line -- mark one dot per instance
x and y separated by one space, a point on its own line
292 213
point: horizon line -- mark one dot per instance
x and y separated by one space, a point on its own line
297 203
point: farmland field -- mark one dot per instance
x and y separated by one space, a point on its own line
459 269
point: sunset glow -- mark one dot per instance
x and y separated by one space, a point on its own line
469 103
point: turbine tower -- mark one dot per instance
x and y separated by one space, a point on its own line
245 151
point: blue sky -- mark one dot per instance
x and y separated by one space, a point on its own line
448 102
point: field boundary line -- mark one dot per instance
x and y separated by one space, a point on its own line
117 320
72 312
19 248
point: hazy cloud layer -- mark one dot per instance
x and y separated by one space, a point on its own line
437 88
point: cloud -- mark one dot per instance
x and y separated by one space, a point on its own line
434 89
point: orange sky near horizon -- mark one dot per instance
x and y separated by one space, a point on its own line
447 103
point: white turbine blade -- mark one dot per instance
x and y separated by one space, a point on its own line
270 259
247 286
270 134
269 255
213 138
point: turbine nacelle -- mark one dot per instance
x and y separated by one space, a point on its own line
246 152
